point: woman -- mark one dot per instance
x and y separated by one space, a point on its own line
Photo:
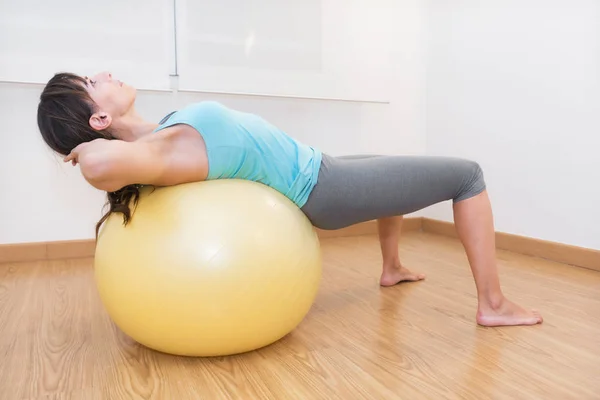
93 123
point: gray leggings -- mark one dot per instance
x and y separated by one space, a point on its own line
353 189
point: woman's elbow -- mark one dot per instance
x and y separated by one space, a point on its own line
99 172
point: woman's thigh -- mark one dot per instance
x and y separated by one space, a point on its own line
353 189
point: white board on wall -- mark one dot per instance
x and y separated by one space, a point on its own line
333 49
309 48
133 39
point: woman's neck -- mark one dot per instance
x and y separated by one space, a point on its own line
132 126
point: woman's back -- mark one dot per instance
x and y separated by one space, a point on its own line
244 146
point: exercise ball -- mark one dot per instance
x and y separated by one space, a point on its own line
210 268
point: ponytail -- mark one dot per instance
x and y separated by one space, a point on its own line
120 201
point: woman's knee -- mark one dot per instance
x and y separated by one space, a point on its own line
473 181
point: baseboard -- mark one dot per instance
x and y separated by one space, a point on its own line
37 251
60 250
567 254
559 252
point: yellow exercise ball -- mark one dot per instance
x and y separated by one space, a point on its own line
208 269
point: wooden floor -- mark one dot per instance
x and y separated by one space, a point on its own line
412 341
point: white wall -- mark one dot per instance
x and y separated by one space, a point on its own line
515 86
46 200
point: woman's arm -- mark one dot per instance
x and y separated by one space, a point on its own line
110 165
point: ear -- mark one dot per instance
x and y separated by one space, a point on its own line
100 120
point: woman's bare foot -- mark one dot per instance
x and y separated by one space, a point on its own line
506 313
393 276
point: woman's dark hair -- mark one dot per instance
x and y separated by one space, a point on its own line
63 118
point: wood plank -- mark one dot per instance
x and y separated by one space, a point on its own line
359 340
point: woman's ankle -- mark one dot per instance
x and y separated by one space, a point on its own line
491 300
391 264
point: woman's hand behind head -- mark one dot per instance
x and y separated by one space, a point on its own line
64 114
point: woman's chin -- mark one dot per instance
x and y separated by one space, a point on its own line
131 92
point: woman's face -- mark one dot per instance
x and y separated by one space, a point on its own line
113 97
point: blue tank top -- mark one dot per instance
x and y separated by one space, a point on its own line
245 146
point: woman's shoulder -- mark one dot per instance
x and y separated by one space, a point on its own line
195 111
